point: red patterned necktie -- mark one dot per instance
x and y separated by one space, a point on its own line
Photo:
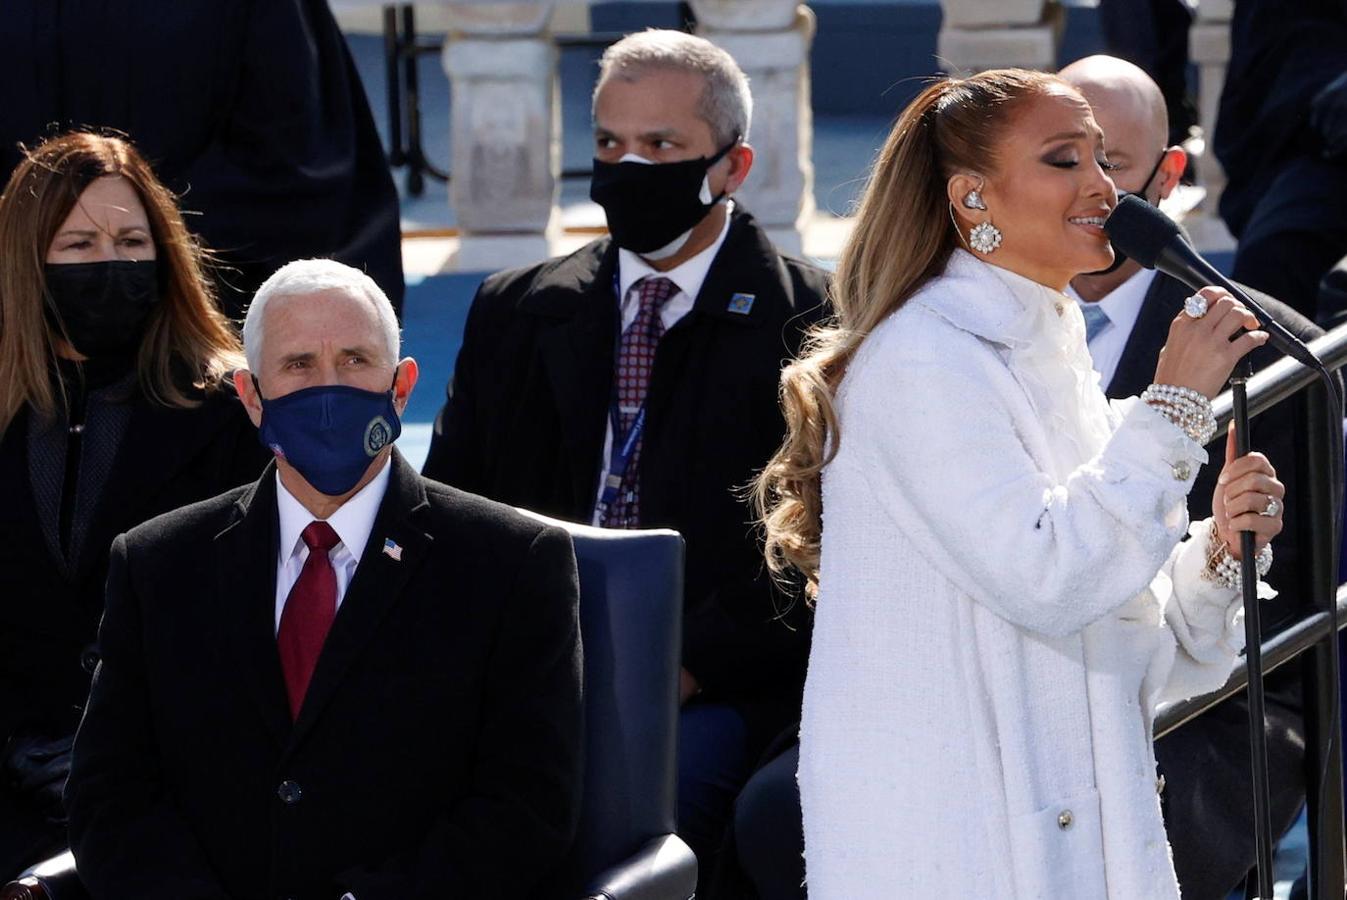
308 614
635 361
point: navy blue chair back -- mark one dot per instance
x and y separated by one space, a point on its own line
631 605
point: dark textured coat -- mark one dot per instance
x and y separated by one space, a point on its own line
528 407
252 109
1281 55
437 753
168 458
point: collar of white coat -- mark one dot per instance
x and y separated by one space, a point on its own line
996 304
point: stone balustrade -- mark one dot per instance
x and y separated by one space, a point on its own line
505 147
976 34
770 39
1209 49
505 138
505 141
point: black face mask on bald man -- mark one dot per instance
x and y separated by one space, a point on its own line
1118 256
653 207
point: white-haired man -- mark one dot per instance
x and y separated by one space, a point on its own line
342 680
633 384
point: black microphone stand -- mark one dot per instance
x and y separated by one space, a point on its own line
1253 650
1156 242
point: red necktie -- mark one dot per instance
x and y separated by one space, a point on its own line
635 362
308 614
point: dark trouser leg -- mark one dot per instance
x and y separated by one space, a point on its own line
769 831
1208 797
713 763
25 837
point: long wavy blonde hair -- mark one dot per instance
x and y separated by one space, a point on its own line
903 238
187 335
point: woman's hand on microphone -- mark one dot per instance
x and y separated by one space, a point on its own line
1199 353
1245 493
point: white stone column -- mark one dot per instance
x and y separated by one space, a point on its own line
504 132
770 40
1209 48
979 34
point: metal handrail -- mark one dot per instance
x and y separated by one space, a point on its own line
1278 650
1311 639
1285 377
1266 389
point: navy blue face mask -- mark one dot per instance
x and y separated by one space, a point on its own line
330 433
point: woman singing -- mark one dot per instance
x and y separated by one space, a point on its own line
1004 593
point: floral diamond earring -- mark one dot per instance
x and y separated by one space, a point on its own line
984 238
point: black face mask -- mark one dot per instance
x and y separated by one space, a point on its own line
102 306
649 205
1118 256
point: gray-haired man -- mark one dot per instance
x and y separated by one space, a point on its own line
633 384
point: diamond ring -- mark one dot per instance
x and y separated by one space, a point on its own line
1195 306
1273 507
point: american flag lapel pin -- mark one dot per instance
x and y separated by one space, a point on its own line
392 550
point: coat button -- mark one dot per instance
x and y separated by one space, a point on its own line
1182 469
289 792
1065 819
89 659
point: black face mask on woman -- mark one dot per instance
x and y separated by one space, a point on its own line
102 306
650 206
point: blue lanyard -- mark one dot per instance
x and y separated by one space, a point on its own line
624 446
620 458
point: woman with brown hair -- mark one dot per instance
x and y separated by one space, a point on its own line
115 406
1004 593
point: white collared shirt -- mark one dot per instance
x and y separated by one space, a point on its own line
689 276
1122 305
352 522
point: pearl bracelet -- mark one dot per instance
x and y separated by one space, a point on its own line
1224 569
1185 407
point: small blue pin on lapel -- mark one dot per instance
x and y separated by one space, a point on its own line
392 550
741 303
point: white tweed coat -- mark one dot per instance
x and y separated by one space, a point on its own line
1004 600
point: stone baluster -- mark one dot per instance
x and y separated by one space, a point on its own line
978 34
770 40
504 132
1209 48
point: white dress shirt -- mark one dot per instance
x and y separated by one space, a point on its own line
1122 306
353 523
689 276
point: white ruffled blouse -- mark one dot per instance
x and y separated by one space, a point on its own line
1004 601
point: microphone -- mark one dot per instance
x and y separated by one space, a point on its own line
1154 240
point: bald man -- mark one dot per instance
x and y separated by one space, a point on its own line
1206 796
